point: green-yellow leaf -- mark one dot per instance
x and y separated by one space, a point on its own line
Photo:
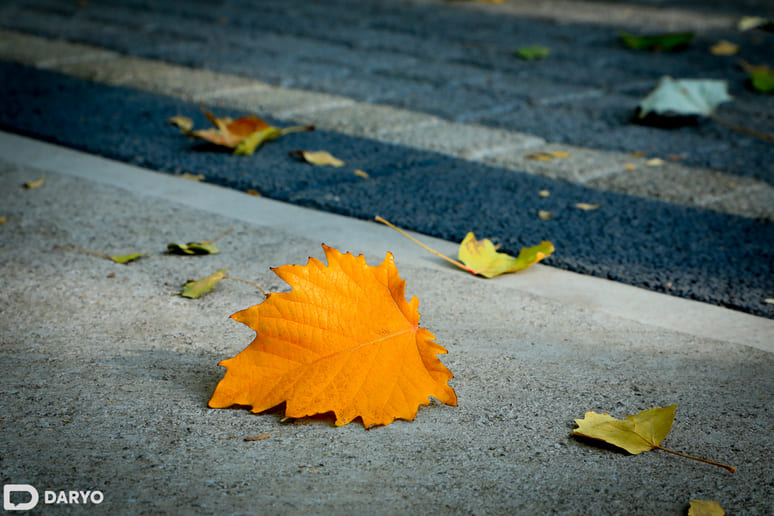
482 258
29 185
761 77
252 142
206 247
192 248
586 206
197 288
533 52
126 258
755 22
317 158
183 123
635 434
656 42
705 508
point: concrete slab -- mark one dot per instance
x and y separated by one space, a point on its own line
107 373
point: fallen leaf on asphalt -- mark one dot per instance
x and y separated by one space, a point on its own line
636 433
244 134
317 158
755 22
254 193
480 257
544 193
343 340
545 215
705 508
637 154
548 156
194 289
533 52
586 206
259 437
769 300
655 162
684 97
761 77
724 48
360 173
3 219
191 248
630 166
657 42
183 123
30 185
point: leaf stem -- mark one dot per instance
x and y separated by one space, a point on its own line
742 129
450 260
729 468
84 251
229 230
296 129
265 295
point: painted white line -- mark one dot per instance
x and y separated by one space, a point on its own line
592 294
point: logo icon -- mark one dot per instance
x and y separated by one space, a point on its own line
8 505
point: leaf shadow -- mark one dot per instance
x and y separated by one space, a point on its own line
665 121
207 147
596 443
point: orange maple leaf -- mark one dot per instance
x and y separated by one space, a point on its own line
344 340
229 132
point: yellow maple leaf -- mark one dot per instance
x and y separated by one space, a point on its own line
636 433
482 258
344 340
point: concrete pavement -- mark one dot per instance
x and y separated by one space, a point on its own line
107 373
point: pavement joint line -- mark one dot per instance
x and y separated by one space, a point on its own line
323 106
232 90
586 292
744 190
54 62
322 109
561 99
492 111
500 149
662 18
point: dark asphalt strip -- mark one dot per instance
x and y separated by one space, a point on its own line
449 61
697 254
